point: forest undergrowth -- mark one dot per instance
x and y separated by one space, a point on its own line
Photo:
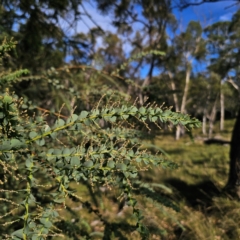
206 211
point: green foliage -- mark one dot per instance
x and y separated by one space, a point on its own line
6 46
9 77
40 160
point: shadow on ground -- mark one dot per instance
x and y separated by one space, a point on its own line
196 195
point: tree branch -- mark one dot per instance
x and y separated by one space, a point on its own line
185 3
233 83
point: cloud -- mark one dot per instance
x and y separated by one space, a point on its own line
213 12
226 17
207 13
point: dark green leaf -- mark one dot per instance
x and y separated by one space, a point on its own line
33 135
59 123
121 166
16 143
40 142
88 164
66 151
111 164
74 117
75 161
18 233
83 114
45 222
29 163
113 119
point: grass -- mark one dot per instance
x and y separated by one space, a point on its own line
196 187
206 212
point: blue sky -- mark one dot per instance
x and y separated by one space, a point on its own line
206 13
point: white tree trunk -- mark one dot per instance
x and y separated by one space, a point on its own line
176 104
212 118
173 87
185 93
184 100
204 122
222 110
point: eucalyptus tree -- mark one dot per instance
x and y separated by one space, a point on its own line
220 48
187 48
234 36
231 63
204 95
224 46
143 25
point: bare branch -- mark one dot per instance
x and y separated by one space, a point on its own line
182 4
233 83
